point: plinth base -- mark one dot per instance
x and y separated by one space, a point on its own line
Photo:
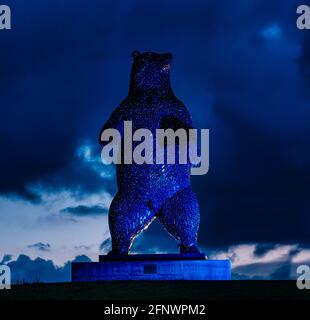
151 267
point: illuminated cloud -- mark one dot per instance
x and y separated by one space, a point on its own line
271 32
92 157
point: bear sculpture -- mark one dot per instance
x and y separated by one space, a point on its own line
150 191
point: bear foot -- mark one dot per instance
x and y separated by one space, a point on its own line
189 249
113 253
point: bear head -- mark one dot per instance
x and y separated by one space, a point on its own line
150 71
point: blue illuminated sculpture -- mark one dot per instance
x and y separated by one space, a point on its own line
153 189
150 191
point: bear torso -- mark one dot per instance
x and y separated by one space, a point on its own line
151 105
156 178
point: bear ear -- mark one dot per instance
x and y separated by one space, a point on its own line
135 54
168 56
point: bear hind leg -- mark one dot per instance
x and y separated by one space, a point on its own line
180 216
128 216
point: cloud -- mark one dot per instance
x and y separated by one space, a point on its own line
246 254
24 269
106 245
45 223
82 247
40 246
282 273
280 270
50 96
83 175
278 264
303 256
271 32
86 210
262 248
263 261
88 153
6 258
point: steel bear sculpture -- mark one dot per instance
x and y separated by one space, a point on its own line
149 191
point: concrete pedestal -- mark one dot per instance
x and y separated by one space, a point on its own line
151 267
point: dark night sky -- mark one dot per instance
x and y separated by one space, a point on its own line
242 68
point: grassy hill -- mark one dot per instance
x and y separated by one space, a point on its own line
170 290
